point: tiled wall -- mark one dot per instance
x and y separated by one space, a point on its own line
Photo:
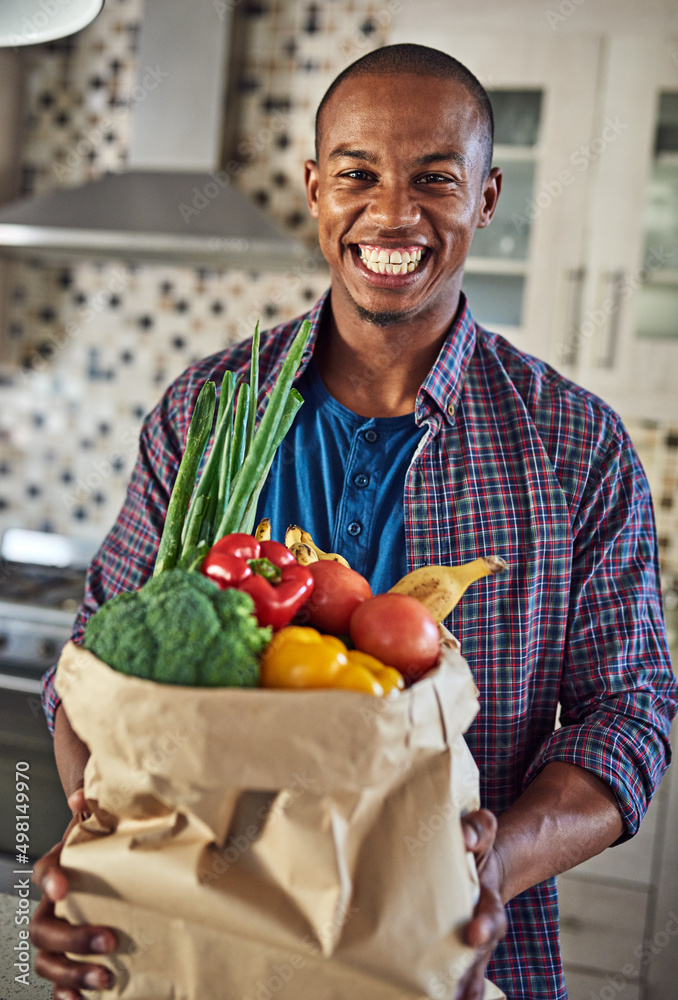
97 344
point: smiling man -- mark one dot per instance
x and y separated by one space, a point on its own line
426 439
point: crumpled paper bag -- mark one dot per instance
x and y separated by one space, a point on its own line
274 845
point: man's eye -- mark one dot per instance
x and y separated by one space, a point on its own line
357 175
435 179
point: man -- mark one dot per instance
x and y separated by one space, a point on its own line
426 439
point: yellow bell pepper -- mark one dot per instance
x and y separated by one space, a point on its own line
300 657
390 679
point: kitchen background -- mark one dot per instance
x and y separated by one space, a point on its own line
580 267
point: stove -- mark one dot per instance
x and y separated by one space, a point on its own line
42 582
38 605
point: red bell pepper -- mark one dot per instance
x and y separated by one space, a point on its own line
267 571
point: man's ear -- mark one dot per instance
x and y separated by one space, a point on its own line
490 197
311 182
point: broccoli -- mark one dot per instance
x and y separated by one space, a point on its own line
180 628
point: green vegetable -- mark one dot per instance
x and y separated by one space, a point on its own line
250 479
254 387
224 499
196 439
180 628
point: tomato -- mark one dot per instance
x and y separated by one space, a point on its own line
337 592
399 631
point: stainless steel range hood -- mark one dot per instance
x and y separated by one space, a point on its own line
173 203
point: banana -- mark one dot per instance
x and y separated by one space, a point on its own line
263 532
292 535
440 588
295 534
303 553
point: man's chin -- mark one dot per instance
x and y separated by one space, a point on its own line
389 318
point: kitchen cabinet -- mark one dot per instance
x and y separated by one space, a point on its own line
619 911
10 89
571 268
627 348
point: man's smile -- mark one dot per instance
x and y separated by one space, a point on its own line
384 260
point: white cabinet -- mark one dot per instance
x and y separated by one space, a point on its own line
619 911
571 268
10 89
627 350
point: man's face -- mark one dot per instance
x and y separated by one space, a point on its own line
398 192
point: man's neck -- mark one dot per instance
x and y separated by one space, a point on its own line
373 370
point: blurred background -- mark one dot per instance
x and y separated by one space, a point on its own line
152 207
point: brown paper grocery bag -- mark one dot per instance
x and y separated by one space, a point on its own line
274 845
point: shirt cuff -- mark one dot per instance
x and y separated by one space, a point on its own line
628 756
50 699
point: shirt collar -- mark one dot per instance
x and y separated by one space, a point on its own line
443 384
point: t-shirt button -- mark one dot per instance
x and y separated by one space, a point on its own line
450 410
371 436
354 528
361 480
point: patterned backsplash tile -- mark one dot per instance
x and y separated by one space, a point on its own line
97 344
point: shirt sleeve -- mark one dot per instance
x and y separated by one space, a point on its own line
618 692
127 556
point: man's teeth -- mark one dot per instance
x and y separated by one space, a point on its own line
390 261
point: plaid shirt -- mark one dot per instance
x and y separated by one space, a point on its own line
516 461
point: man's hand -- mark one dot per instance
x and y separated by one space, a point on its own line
53 936
488 924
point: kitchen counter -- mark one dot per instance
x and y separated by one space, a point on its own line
34 988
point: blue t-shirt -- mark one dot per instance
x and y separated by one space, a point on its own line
341 477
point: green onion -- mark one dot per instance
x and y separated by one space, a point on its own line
239 446
224 484
292 404
249 481
196 440
202 512
234 474
254 387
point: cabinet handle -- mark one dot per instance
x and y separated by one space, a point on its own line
573 315
612 301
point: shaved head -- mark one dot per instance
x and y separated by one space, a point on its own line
394 60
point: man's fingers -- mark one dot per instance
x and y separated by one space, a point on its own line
48 874
480 829
77 802
68 975
50 933
488 924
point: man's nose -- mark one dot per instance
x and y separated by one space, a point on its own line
394 206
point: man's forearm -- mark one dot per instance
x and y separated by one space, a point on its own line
70 752
564 817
